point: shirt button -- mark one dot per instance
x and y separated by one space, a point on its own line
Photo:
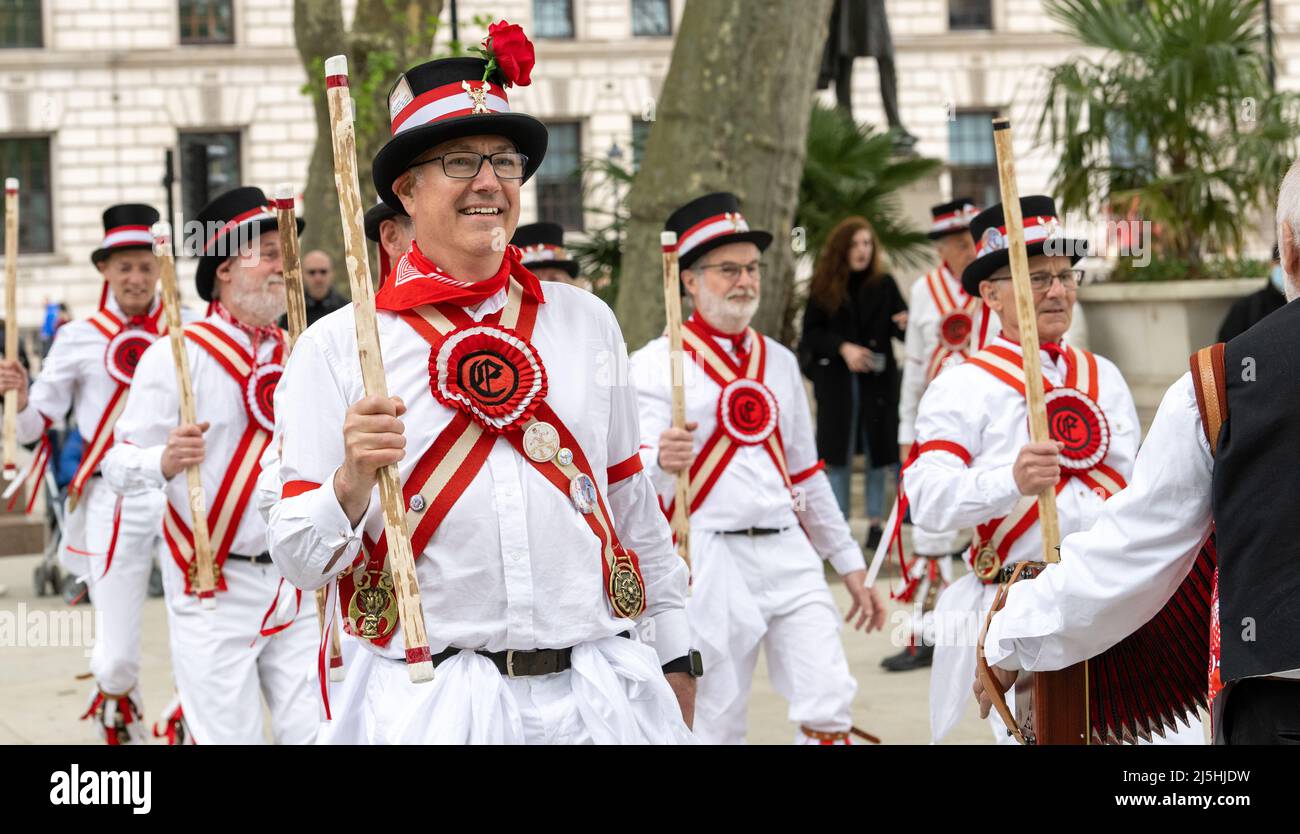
417 503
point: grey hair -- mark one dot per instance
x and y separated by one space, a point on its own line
1288 204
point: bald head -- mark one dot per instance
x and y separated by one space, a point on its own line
317 274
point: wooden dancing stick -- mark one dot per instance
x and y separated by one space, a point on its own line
1028 316
205 584
11 325
681 520
401 561
296 305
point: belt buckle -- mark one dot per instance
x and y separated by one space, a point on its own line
510 664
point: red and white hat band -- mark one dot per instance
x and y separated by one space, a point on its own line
728 223
260 213
543 252
463 98
127 236
959 219
1037 229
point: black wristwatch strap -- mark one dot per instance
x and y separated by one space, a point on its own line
690 663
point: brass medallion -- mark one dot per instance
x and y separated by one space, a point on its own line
626 592
373 608
987 563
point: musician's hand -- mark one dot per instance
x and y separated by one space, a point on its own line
866 603
1004 680
1037 467
13 377
683 686
184 448
677 448
372 439
858 358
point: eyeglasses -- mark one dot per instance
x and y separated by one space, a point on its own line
465 165
1041 282
732 271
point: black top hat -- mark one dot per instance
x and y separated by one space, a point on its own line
448 99
238 216
1042 237
126 226
951 217
542 245
377 214
708 222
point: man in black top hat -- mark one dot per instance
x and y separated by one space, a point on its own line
539 547
90 369
260 640
542 245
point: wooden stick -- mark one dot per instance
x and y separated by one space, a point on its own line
296 305
681 521
401 561
1028 317
11 325
205 584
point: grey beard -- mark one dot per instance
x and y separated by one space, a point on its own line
264 305
728 316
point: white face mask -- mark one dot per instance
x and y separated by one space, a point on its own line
1278 279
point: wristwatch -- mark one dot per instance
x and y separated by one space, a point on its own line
691 663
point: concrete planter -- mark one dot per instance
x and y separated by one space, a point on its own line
1150 329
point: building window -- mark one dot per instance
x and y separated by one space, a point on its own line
652 18
207 22
209 168
20 24
970 14
28 159
553 18
972 158
559 180
640 135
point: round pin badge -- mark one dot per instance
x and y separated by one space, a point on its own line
259 394
747 411
1078 422
541 442
582 490
124 352
564 457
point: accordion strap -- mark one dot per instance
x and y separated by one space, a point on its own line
1208 378
982 671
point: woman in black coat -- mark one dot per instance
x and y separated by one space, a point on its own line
854 311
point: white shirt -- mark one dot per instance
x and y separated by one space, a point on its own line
968 406
73 376
750 492
513 565
922 340
153 410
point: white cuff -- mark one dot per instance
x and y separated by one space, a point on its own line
669 634
30 424
906 434
329 519
847 560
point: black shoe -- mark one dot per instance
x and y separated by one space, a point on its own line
909 658
155 581
874 535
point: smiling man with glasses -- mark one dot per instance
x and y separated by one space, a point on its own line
552 596
975 466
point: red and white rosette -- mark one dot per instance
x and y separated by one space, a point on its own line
489 372
259 394
1074 419
955 329
124 352
747 411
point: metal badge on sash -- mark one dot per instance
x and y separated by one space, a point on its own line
372 611
124 352
192 575
626 592
259 394
747 411
541 442
1077 421
564 457
583 492
986 563
955 330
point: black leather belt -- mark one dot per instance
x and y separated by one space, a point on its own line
259 559
755 531
521 663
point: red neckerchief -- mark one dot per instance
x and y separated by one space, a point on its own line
255 334
1052 349
737 339
145 321
416 281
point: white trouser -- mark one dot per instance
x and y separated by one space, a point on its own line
222 663
119 594
768 590
614 693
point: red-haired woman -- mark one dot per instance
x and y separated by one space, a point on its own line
854 311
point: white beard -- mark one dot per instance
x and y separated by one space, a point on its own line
265 305
728 315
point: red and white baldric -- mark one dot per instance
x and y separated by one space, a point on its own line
957 314
461 98
727 223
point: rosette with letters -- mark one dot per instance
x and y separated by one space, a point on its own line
489 372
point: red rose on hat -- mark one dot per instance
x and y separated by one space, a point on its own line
511 51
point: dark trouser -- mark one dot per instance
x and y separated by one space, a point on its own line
1262 711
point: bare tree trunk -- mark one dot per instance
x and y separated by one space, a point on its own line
733 116
386 38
